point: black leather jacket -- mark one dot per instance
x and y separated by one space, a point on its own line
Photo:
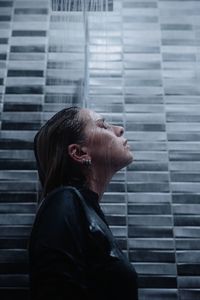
72 251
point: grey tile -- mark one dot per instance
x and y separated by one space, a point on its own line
16 175
140 19
142 4
189 281
187 220
14 280
24 17
176 26
158 287
188 269
145 146
179 42
149 166
185 136
143 118
188 243
150 220
4 18
158 269
184 155
111 209
147 136
188 198
144 127
25 73
141 49
17 154
3 56
157 243
178 57
30 11
187 232
6 3
116 220
3 40
147 177
192 294
150 231
152 256
26 65
24 90
187 166
29 49
16 219
28 99
143 82
188 256
185 177
158 294
148 198
148 187
152 209
24 81
25 33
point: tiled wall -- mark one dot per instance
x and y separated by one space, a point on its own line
139 65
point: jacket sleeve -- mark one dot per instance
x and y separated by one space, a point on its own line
58 248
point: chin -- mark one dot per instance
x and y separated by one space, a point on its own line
129 156
124 161
129 160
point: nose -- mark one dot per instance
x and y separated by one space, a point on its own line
120 130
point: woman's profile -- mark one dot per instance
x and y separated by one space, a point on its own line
72 251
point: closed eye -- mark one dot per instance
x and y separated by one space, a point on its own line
106 125
103 124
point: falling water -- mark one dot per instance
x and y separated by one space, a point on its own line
84 7
80 5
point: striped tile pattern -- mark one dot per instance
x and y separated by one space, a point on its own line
150 218
25 25
139 66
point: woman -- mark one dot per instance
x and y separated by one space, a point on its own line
72 252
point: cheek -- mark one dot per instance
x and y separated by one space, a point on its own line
112 148
101 145
96 138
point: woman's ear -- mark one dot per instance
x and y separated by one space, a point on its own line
78 153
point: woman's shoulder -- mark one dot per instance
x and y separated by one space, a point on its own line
63 195
61 190
63 199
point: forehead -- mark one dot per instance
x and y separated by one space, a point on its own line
90 115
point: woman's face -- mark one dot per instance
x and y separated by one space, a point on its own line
105 142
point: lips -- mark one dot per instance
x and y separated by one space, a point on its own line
125 143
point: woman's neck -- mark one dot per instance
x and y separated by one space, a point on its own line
98 181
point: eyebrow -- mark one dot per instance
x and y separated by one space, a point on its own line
100 119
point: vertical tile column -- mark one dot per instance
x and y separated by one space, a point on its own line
5 31
65 65
22 106
6 10
106 97
179 26
150 219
